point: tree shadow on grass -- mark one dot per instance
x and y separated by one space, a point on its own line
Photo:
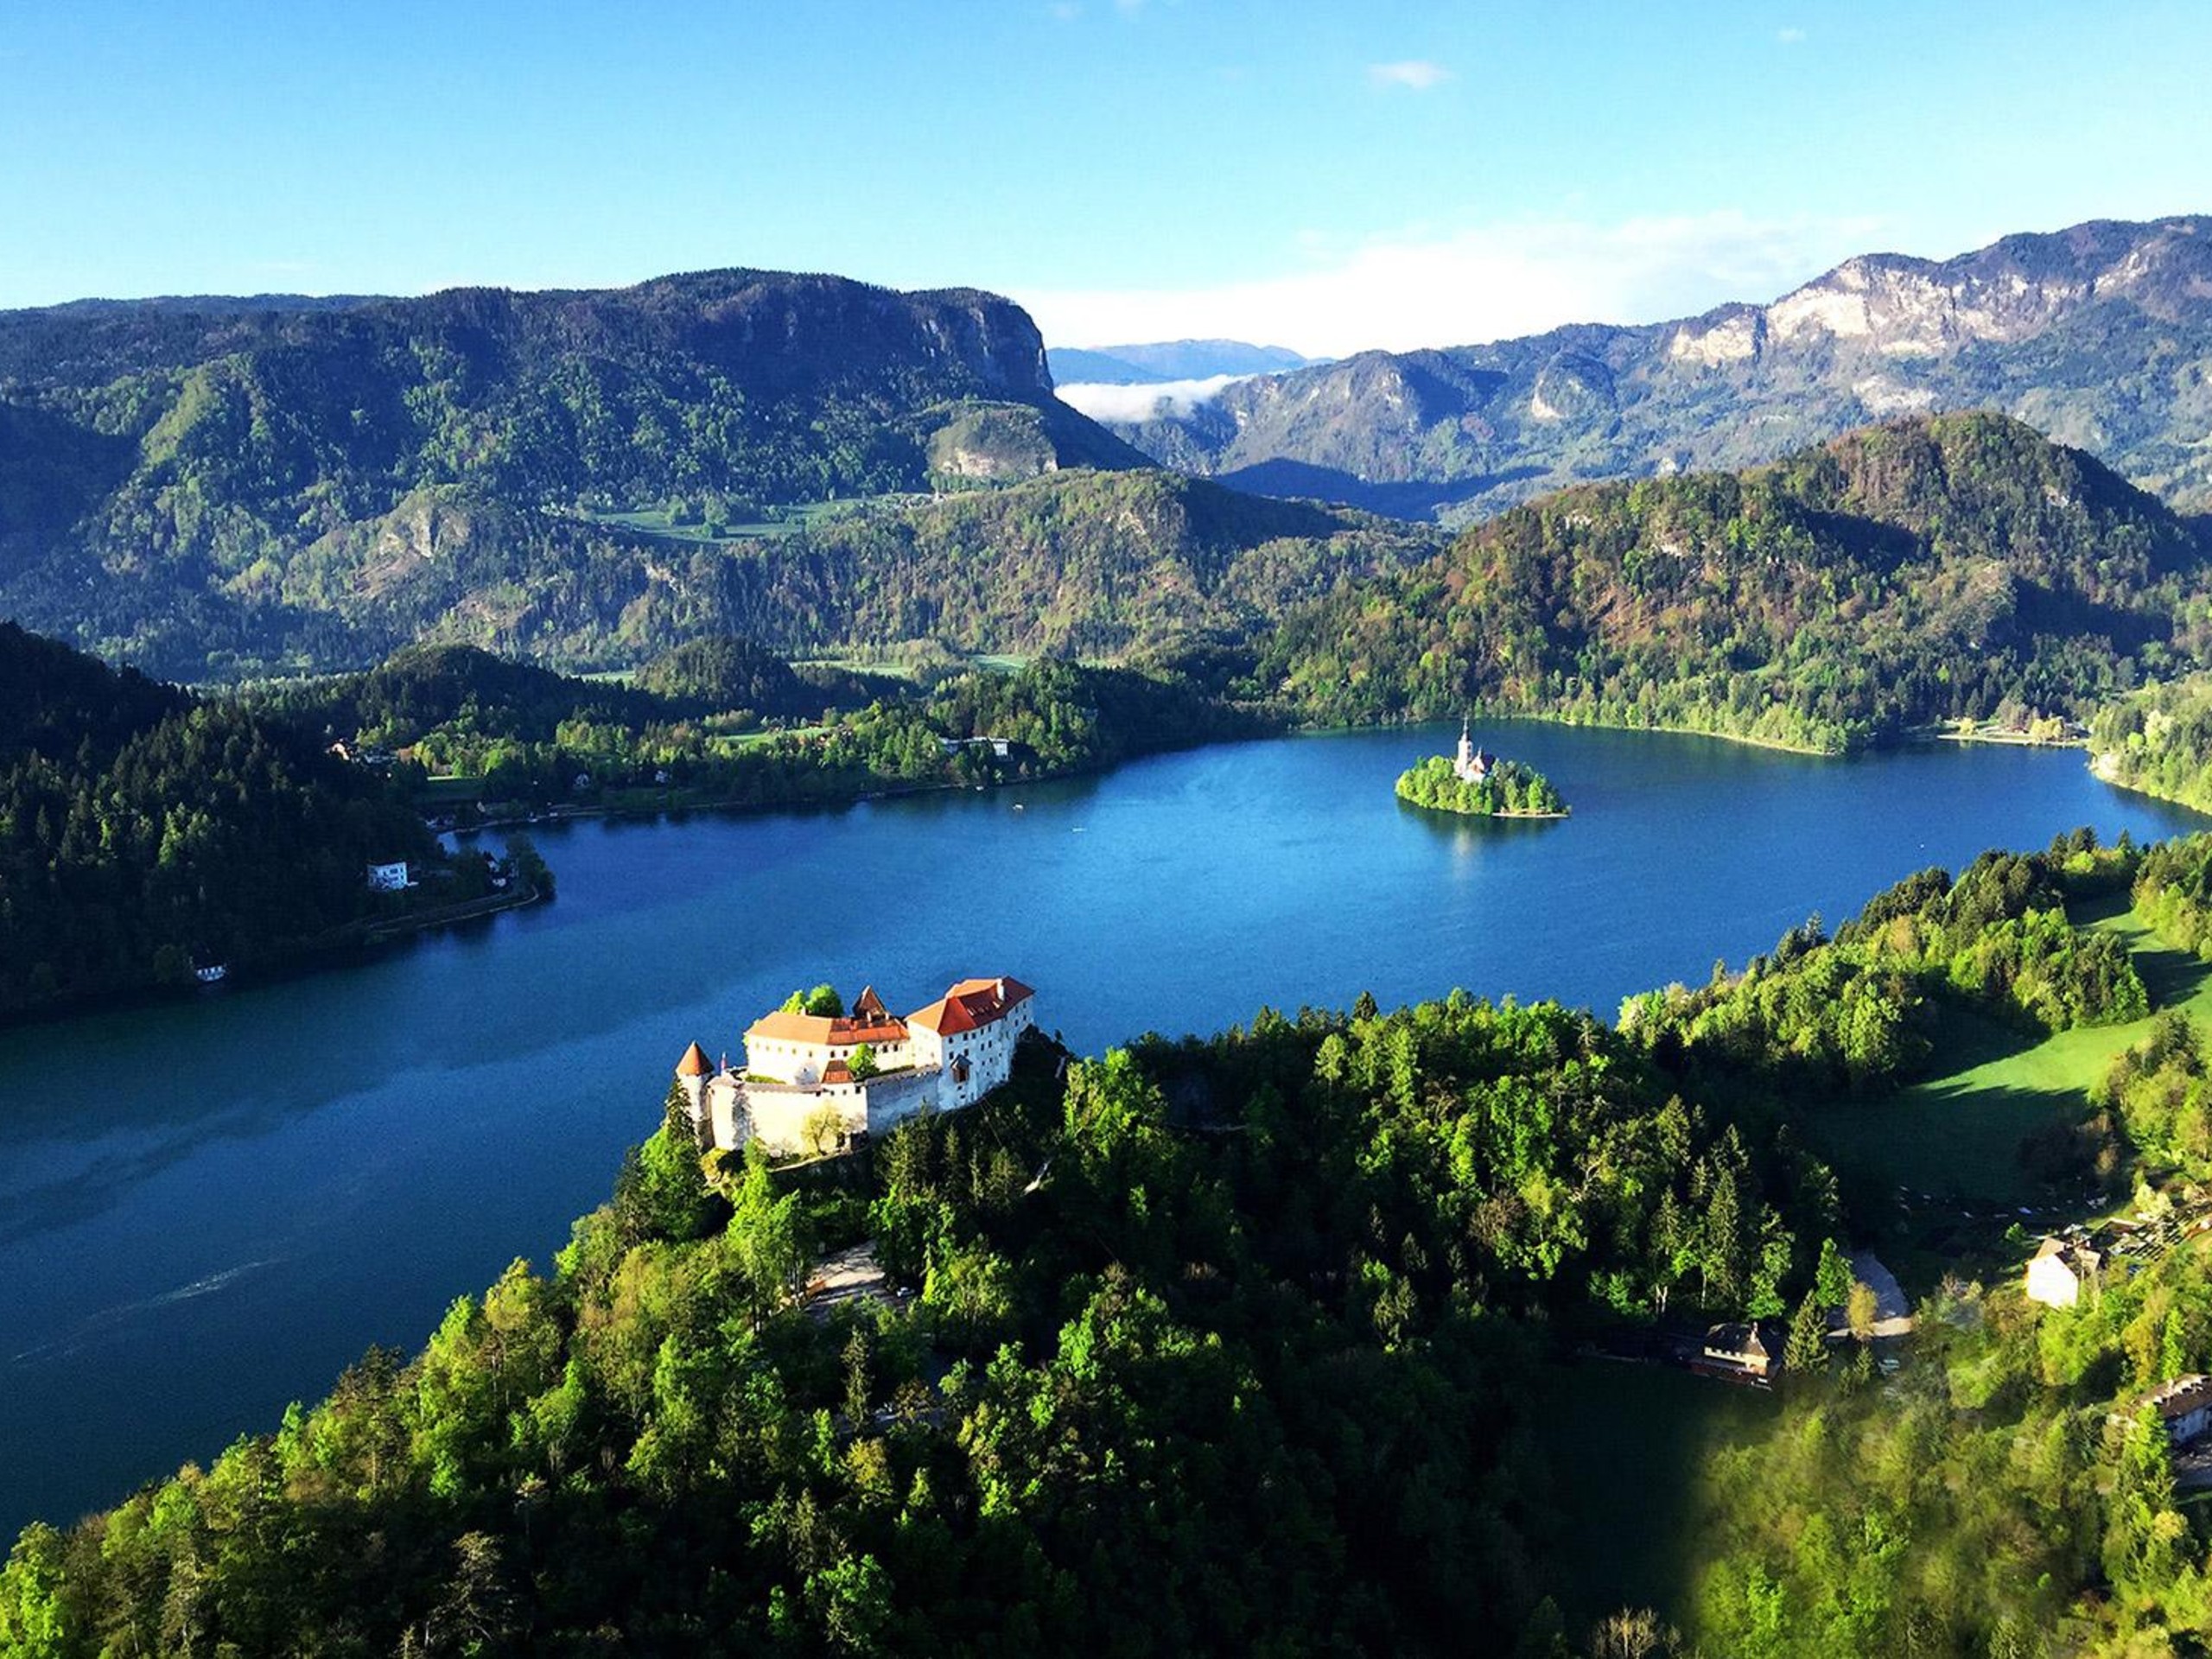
1624 1446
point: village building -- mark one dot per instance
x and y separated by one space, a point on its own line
1748 1352
2057 1272
388 878
811 1082
1471 765
2184 1408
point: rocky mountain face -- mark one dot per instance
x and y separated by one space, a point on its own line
2100 335
215 485
767 330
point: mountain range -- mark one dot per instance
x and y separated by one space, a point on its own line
2100 335
218 487
225 489
1167 360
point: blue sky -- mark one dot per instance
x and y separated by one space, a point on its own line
1323 176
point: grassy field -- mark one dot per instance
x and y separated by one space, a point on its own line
738 742
653 521
1625 1443
1956 1135
938 660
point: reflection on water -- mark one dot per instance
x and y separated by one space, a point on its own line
208 1207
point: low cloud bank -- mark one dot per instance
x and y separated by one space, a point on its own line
1128 405
1481 283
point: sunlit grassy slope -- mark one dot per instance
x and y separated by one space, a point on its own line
1957 1135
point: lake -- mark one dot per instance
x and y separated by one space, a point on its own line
209 1207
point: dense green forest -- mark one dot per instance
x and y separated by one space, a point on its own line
1510 790
1329 1259
143 833
1930 570
1058 1439
517 736
2005 1495
2159 740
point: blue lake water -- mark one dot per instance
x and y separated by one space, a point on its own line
209 1207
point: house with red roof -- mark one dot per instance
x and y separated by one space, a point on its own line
814 1083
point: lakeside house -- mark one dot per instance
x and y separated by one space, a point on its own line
2057 1272
812 1082
1746 1352
388 878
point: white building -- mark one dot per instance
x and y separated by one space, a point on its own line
388 878
2057 1272
1471 765
2184 1408
797 1092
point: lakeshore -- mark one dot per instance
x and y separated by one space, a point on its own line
326 1158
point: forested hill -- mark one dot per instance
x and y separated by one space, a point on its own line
1958 566
143 833
2101 334
1089 564
1238 1345
219 485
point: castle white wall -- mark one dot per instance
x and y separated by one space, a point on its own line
805 1062
927 1072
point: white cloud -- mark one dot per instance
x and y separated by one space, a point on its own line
1482 282
1418 74
1130 403
1791 36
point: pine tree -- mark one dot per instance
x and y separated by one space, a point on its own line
1807 1351
1724 1243
1832 1279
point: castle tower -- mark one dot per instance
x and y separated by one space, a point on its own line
692 1072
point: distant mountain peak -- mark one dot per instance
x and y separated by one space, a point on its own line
1164 361
2100 334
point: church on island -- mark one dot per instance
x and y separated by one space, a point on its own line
799 1090
1471 765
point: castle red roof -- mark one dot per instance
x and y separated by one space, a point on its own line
971 1003
694 1063
945 1016
821 1031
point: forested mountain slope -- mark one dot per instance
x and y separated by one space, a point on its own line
220 485
1934 569
2100 335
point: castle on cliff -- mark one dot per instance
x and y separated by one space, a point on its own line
798 1091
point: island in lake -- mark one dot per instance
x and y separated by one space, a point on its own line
1479 784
